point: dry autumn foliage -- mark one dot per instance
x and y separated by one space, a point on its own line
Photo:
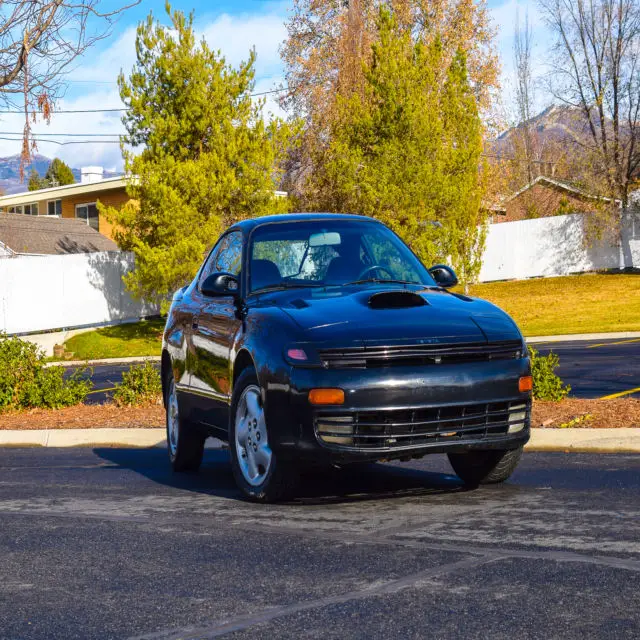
329 41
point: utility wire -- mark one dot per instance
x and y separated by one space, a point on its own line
122 109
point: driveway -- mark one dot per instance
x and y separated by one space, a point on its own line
107 543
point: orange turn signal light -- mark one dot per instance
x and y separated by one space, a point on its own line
525 383
326 396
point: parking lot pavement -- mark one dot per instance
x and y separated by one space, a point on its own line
599 367
107 543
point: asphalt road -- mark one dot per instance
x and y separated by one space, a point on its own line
599 367
593 369
107 543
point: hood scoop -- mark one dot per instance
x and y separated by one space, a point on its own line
396 300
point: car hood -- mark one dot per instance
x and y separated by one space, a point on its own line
326 315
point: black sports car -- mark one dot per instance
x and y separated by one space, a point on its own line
321 339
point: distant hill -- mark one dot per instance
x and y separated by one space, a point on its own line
10 172
555 124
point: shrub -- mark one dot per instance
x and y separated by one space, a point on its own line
140 385
546 384
25 383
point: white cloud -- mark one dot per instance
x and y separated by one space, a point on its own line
94 86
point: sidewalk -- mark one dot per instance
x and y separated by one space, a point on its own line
573 440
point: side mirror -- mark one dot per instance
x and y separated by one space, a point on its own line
220 284
444 276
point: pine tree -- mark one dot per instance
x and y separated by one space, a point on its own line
36 182
406 150
58 173
203 155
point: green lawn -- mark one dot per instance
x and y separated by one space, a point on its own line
135 339
588 303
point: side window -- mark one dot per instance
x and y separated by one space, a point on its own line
226 256
229 256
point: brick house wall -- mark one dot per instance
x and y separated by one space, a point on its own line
543 200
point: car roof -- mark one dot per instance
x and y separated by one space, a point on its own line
251 223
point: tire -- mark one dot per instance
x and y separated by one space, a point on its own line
184 444
485 467
259 472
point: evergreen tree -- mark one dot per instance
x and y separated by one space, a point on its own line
58 174
203 156
36 182
406 150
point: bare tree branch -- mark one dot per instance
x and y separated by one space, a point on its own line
39 39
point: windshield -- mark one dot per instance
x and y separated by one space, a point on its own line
330 252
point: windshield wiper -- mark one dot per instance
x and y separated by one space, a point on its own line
379 280
287 285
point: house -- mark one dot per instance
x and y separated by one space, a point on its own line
545 197
23 234
77 201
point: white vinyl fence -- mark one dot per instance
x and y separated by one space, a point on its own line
554 247
42 293
39 293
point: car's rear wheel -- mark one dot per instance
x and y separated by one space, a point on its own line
185 445
259 472
485 467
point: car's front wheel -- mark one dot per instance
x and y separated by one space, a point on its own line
485 467
185 445
259 472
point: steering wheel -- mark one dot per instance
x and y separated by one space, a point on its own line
374 267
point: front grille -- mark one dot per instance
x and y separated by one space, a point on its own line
409 428
418 354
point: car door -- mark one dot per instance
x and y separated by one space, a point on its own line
213 332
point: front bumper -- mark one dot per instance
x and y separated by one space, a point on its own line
403 412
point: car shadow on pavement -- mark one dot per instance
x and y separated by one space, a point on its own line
326 486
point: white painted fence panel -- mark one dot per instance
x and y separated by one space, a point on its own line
555 246
39 293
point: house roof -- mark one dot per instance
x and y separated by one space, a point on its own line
42 235
552 182
52 193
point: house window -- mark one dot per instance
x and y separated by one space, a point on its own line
54 208
89 213
31 209
17 209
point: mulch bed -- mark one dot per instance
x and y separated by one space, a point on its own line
570 412
587 413
85 416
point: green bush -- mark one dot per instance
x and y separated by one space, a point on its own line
546 384
25 383
140 385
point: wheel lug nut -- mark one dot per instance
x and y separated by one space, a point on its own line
258 436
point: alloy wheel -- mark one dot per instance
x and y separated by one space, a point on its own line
252 445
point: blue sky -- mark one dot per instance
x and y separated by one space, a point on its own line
231 26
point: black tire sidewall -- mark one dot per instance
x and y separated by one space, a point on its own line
190 447
270 489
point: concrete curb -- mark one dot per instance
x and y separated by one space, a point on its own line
582 337
574 440
111 361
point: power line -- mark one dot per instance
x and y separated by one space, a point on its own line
123 109
59 135
63 143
